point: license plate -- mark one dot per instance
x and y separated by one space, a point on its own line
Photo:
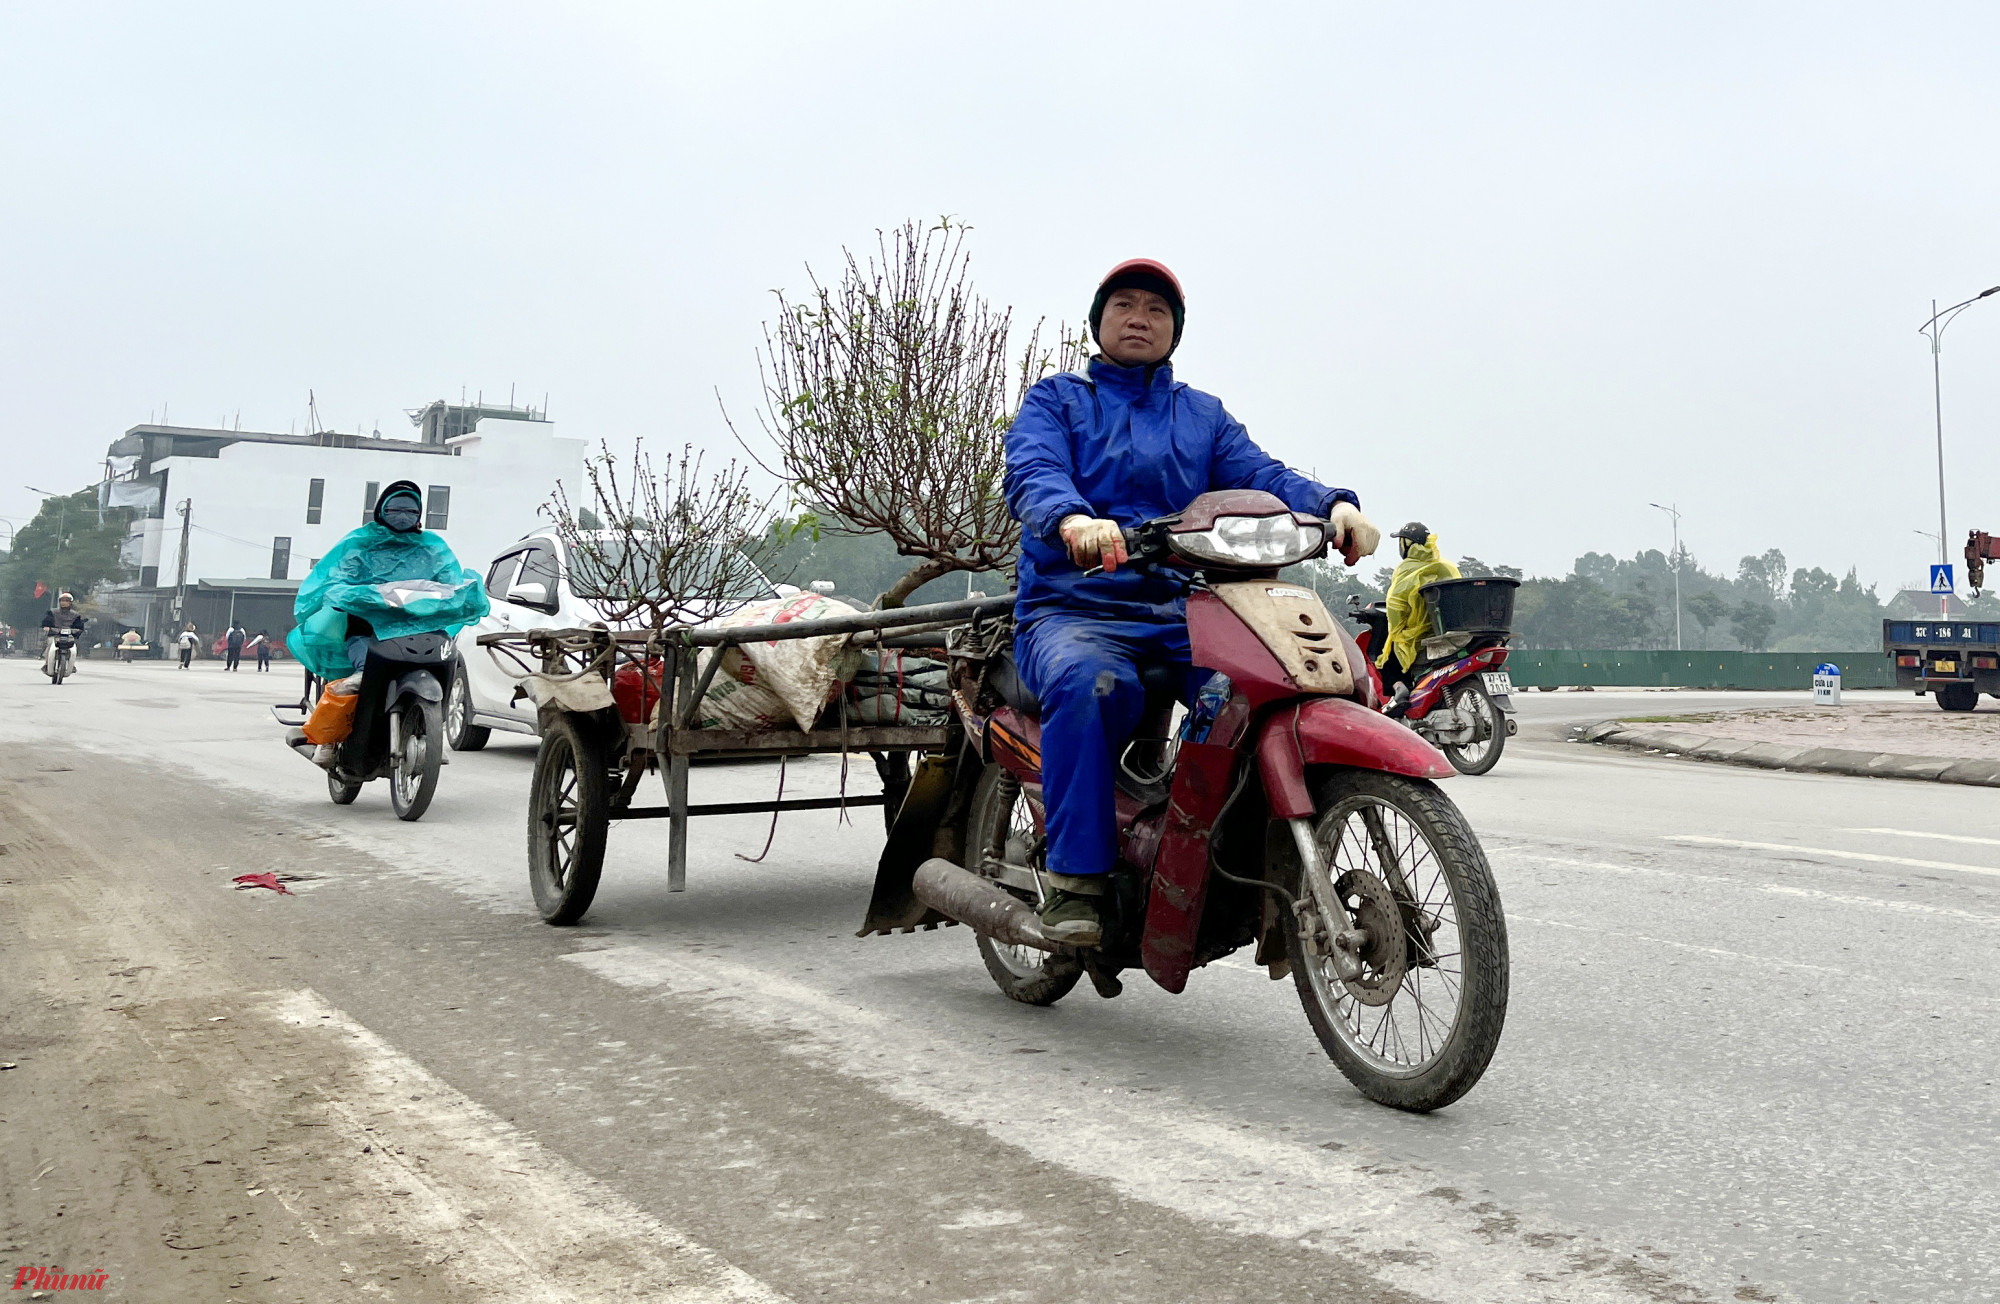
1944 667
1497 683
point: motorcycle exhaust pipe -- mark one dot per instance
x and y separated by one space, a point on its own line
980 904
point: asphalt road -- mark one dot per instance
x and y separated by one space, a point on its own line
1750 1053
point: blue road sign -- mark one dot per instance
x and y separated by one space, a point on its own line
1941 579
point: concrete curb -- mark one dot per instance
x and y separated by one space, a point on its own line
1809 760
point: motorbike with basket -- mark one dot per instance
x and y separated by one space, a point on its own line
1287 813
1457 697
398 730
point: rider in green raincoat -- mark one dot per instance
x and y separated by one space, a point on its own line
388 579
1409 614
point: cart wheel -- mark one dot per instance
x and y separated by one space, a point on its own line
568 817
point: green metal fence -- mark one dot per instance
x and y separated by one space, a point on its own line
1535 668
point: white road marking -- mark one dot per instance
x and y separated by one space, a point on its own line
1740 956
1356 1203
1941 837
1780 889
518 1219
1701 840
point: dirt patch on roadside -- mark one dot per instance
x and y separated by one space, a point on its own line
1913 728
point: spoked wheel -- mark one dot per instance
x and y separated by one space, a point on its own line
1404 975
1003 829
416 749
568 817
459 731
1475 716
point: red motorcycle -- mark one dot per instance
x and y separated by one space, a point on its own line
1287 813
1458 696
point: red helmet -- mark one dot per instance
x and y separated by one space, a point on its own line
1141 274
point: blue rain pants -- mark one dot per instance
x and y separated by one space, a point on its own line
1085 671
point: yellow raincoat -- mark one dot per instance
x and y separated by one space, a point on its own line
1409 614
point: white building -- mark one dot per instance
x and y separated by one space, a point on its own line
262 508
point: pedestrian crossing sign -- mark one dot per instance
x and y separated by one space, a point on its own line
1941 579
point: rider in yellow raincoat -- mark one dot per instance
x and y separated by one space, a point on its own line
1409 614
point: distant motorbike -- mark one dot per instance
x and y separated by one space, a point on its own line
1287 815
1457 697
64 663
398 724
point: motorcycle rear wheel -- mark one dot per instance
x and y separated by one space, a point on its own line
414 760
1418 1025
1470 701
342 792
1002 827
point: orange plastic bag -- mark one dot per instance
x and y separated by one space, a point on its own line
332 718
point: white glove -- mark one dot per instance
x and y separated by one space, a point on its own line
1093 542
1354 534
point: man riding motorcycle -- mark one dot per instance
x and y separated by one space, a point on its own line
1409 614
1090 453
64 618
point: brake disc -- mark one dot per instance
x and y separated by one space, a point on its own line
1384 955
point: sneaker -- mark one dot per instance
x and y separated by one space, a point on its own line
326 755
1071 919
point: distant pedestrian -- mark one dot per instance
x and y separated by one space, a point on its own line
233 646
188 641
262 645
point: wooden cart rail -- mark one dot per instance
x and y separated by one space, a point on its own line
672 739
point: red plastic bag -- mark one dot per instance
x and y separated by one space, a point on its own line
638 695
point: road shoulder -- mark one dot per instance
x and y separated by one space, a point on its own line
1785 756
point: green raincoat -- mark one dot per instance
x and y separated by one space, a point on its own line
400 584
1409 614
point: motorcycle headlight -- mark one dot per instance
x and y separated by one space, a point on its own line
1251 541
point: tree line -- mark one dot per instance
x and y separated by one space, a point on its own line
1628 603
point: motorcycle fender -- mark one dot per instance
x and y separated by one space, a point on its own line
1180 868
417 683
1335 731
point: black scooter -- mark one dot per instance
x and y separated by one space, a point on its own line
398 724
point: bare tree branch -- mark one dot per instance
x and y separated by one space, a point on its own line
888 397
666 546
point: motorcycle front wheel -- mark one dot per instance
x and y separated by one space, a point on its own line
1403 976
416 733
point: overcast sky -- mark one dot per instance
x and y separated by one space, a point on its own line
1516 270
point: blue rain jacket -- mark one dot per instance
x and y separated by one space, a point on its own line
400 584
1126 444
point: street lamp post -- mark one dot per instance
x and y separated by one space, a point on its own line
1934 331
1675 512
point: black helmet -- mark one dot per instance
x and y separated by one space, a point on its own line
1415 532
401 489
